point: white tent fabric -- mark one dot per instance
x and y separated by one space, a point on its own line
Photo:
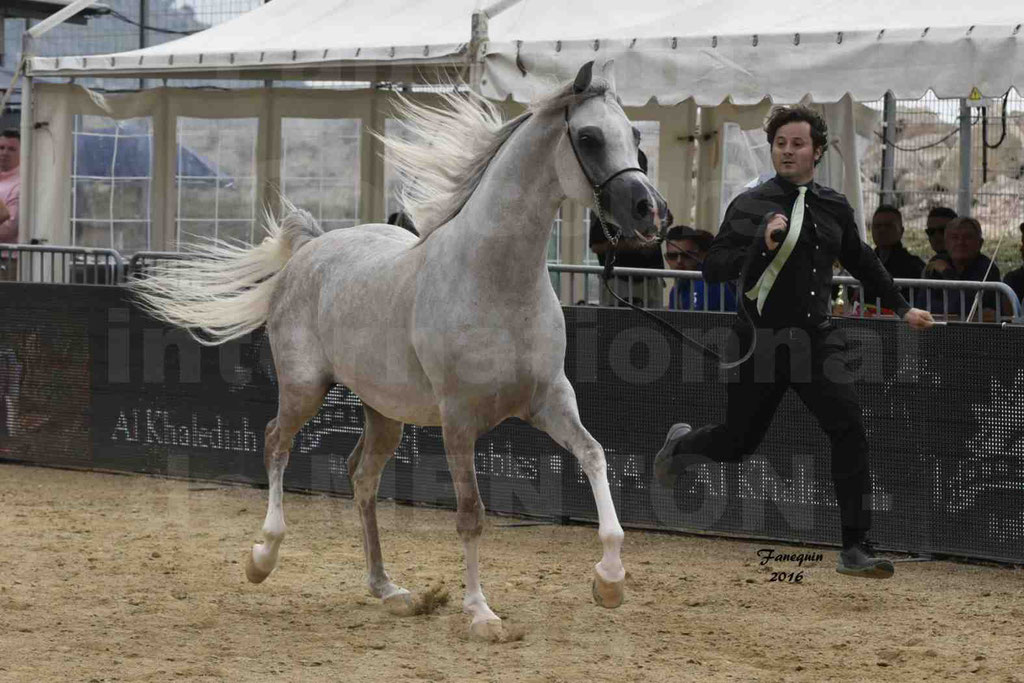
666 50
297 35
743 51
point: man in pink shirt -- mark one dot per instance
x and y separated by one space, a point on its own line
10 189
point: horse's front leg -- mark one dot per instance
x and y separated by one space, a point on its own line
459 441
556 413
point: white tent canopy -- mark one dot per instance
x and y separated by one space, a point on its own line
669 50
745 50
304 38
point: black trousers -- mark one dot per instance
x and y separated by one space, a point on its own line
811 361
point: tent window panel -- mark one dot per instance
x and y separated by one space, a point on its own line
195 231
131 236
235 231
236 199
111 182
216 178
92 198
92 233
320 169
339 202
392 181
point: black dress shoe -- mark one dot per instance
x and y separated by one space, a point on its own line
667 464
858 559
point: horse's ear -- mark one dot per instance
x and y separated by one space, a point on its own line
582 81
607 71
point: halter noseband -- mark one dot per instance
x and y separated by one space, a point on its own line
596 188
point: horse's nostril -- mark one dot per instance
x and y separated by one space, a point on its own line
643 208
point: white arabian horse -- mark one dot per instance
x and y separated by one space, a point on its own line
459 328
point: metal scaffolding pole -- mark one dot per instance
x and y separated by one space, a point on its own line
963 204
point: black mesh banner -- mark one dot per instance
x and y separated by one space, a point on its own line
90 381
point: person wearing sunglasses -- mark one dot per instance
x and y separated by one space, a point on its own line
685 249
938 218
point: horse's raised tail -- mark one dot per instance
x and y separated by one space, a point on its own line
223 291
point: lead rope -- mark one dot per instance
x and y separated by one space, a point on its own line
609 270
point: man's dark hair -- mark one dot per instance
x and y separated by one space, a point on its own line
941 212
702 238
889 208
680 232
780 116
11 133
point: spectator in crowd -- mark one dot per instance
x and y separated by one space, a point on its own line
685 249
629 253
938 218
963 260
887 232
10 190
402 220
1015 278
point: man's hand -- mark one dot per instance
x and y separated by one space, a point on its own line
4 212
777 221
937 266
919 319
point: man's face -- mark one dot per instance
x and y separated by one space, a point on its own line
10 154
793 153
682 255
936 232
963 243
886 229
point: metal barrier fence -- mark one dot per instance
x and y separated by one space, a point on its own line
946 299
61 265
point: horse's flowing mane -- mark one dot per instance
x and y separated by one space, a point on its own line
445 149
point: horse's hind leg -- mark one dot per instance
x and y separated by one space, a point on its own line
296 404
381 435
557 414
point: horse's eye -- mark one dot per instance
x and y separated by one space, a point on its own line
636 136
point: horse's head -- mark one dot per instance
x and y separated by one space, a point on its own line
598 161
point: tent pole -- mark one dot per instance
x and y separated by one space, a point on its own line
478 36
888 151
963 206
26 229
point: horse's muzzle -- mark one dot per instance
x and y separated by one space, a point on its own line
632 204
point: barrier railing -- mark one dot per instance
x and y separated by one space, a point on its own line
946 299
61 265
142 261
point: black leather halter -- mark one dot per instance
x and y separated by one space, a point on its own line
596 187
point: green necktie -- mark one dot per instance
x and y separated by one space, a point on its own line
764 283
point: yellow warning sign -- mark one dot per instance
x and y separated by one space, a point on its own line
975 94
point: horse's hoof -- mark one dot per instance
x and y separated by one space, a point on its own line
608 593
252 572
400 604
486 629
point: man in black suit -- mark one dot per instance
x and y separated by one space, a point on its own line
786 282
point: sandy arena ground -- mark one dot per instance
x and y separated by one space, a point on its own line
130 578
